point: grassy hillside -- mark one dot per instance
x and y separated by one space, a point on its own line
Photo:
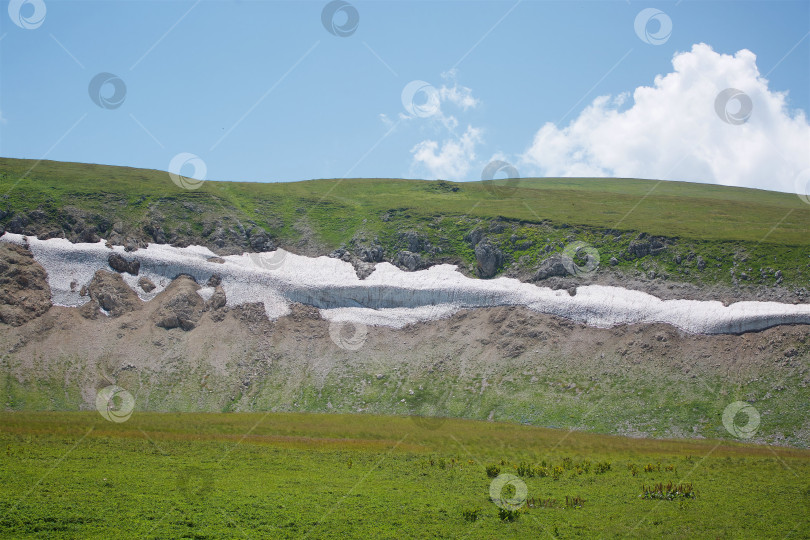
68 475
742 235
698 211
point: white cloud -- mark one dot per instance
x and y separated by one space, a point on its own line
452 159
671 130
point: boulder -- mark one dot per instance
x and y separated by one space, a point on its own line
179 305
643 245
121 265
551 267
217 300
146 284
408 260
414 241
373 254
489 258
261 243
112 294
473 237
24 290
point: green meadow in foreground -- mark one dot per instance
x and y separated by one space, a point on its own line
256 475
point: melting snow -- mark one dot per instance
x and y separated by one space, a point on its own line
389 296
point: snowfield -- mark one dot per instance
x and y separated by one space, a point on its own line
389 296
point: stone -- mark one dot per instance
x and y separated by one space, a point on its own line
551 267
121 265
408 260
488 258
146 284
112 294
24 290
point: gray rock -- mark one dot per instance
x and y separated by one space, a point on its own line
473 237
643 245
261 243
489 259
214 280
146 284
17 224
217 300
373 254
414 241
551 267
121 265
701 264
408 260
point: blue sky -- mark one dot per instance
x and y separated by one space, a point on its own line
261 91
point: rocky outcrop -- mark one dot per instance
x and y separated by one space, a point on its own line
217 300
414 241
551 267
121 265
109 292
373 254
180 305
408 261
643 245
146 284
24 290
488 258
473 237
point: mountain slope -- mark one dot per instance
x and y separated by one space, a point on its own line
730 243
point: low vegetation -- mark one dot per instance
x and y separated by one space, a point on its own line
68 475
711 234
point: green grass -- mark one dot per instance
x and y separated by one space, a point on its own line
68 475
735 230
338 207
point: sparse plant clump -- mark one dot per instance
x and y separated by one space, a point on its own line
508 515
574 502
533 502
668 492
602 467
493 471
471 515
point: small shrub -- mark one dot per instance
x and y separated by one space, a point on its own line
668 492
602 467
493 471
471 515
508 515
524 469
542 471
567 463
574 502
557 472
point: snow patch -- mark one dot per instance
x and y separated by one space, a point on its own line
389 296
